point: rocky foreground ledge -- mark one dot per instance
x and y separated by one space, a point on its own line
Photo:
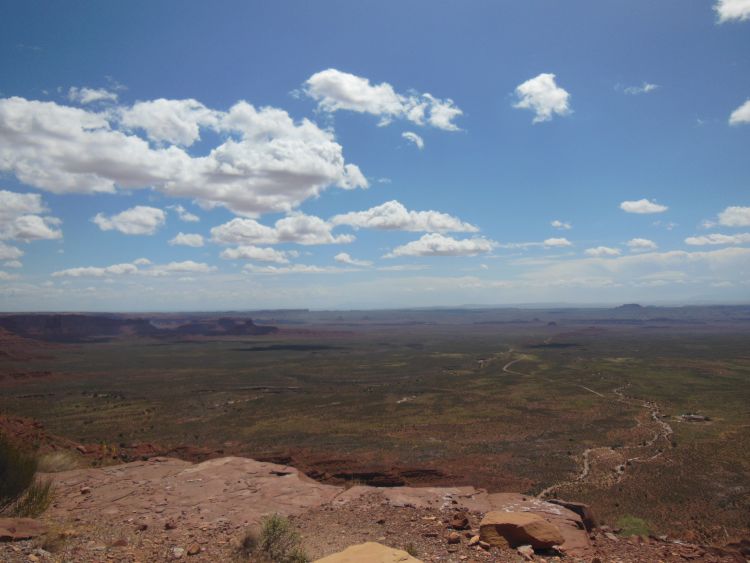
168 509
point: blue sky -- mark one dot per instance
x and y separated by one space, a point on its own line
187 155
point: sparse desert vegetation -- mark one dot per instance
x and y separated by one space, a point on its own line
22 492
498 399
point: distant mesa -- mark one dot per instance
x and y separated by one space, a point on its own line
630 307
83 328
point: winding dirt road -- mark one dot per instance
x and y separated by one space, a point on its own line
663 431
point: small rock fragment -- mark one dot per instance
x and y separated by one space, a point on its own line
526 551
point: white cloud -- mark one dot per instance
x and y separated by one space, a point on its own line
335 90
294 269
266 162
645 269
173 121
90 95
601 251
97 272
186 267
414 138
544 97
562 225
142 262
138 220
298 228
260 254
557 242
729 10
644 88
435 244
127 269
345 258
8 252
718 238
741 114
20 219
641 245
5 276
184 214
642 206
185 239
394 216
735 216
13 264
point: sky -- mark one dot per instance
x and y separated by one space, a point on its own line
185 155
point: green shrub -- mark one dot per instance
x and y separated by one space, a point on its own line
17 470
411 549
35 500
276 542
633 526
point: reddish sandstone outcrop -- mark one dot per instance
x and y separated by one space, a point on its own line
513 529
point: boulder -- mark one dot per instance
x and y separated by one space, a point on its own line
369 552
12 529
460 521
513 529
583 510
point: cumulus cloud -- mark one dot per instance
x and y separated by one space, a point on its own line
562 225
13 264
297 228
641 245
184 214
414 138
185 267
20 218
601 251
133 268
718 238
90 95
294 269
266 161
544 97
336 90
138 220
172 121
345 258
557 242
8 252
553 242
435 244
735 216
185 239
644 88
732 10
394 216
741 114
642 206
260 254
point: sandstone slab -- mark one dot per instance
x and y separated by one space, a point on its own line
369 552
514 529
161 491
12 529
